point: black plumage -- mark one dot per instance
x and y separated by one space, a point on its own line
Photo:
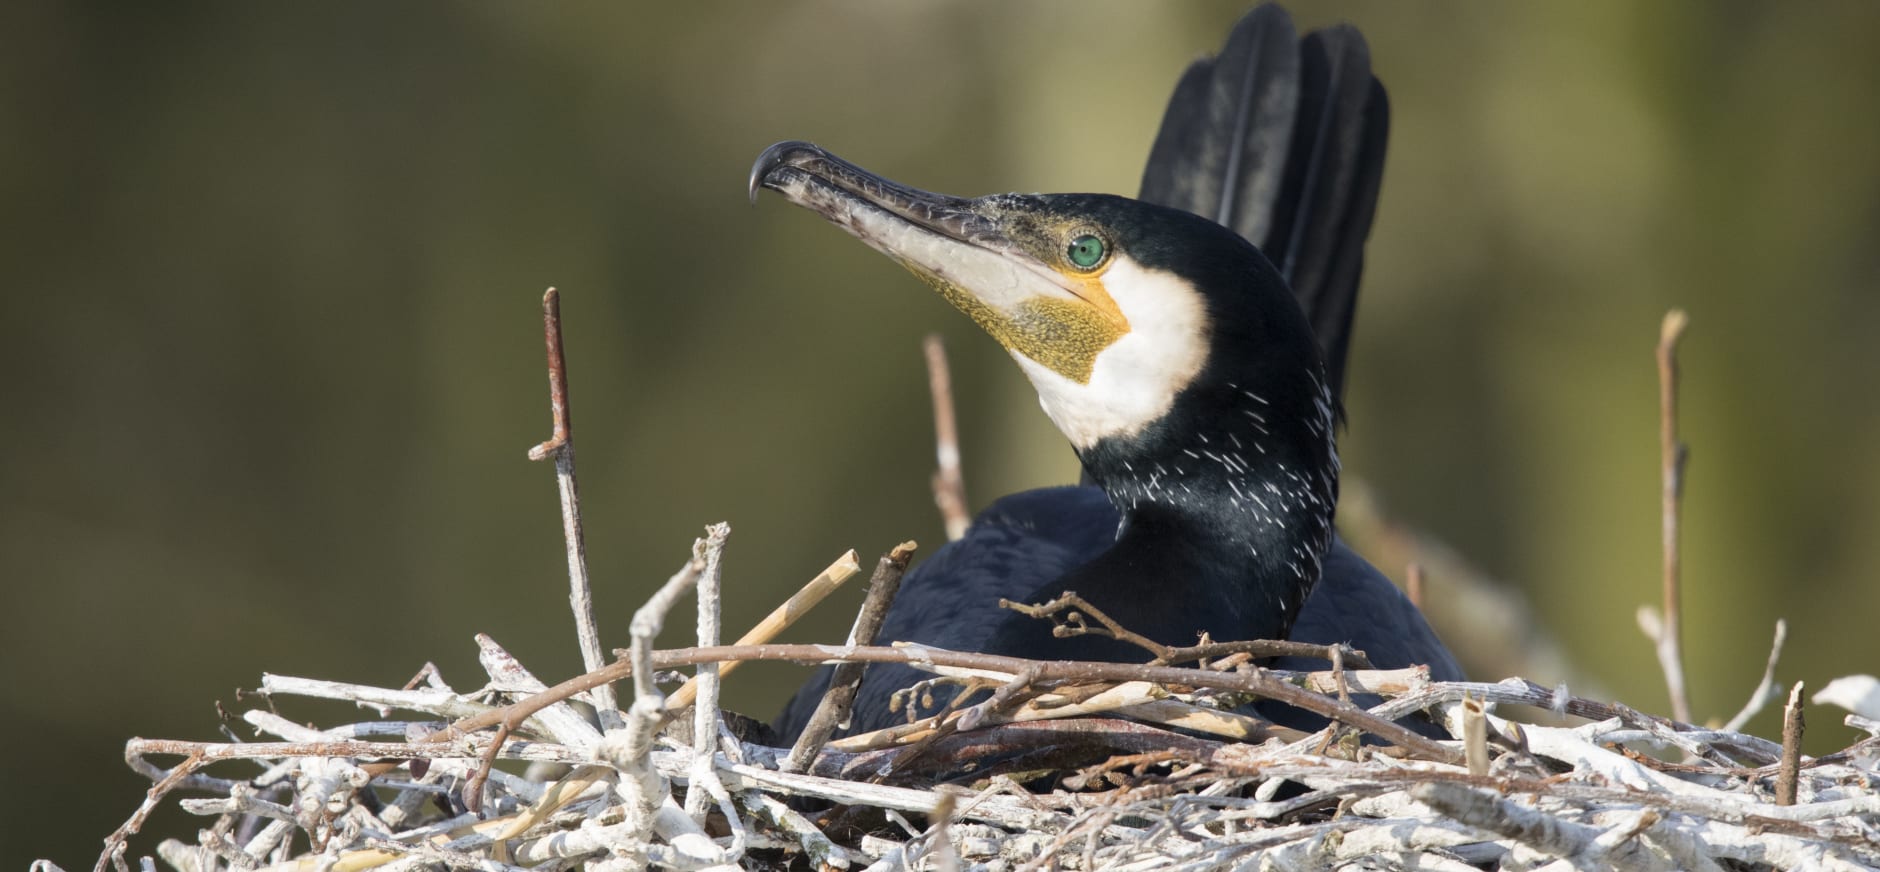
1216 515
1282 140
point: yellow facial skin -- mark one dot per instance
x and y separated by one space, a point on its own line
1063 334
1002 260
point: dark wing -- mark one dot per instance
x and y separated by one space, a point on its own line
1355 604
1282 139
1016 546
1027 540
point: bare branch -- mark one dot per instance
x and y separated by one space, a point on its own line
949 486
1791 748
837 702
1766 689
705 717
115 844
1068 612
1672 457
1255 683
561 447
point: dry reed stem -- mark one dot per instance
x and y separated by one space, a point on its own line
799 604
1672 457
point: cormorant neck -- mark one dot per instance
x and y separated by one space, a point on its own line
1227 505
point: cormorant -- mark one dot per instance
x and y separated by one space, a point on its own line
1175 356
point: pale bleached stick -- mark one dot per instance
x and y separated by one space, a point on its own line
649 806
705 713
1537 829
563 722
1766 690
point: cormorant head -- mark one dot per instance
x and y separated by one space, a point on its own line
1113 307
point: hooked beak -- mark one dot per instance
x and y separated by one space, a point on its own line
975 252
878 211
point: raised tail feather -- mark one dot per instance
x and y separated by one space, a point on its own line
1282 139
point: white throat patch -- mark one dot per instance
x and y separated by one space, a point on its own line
1135 379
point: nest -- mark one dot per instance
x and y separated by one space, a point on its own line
1041 765
1082 774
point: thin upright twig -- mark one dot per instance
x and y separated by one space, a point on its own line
847 677
1672 455
1766 690
561 447
711 551
1413 584
949 487
1790 768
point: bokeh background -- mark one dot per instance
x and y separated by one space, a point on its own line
272 354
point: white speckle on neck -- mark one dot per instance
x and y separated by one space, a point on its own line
1135 380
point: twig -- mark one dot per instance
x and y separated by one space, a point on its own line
847 677
561 447
1075 609
1007 698
1541 831
116 843
779 619
649 807
1520 691
646 625
1137 700
516 713
1672 457
1189 819
822 852
1413 584
563 722
921 656
648 621
1766 689
705 718
949 486
1790 768
1475 736
215 752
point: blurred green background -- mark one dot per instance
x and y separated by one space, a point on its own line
272 355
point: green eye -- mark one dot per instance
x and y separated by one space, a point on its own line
1085 251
